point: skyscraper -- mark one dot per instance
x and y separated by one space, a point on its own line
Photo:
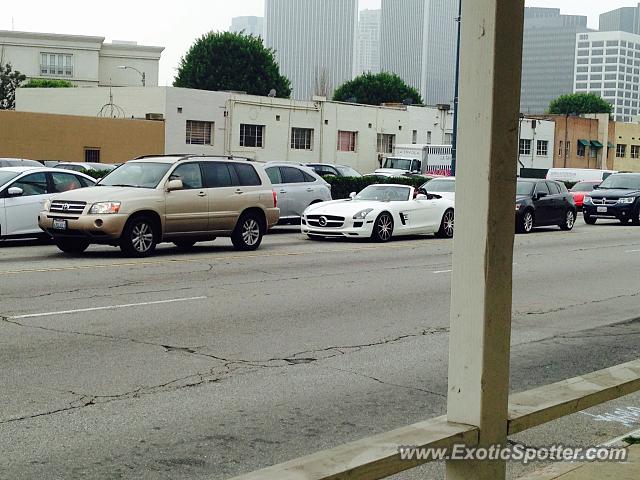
248 25
314 42
625 19
548 56
368 42
418 42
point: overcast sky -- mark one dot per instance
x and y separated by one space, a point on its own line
175 26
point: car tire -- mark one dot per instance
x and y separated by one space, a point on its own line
527 221
72 245
446 225
383 228
139 236
636 216
184 244
589 220
248 232
569 220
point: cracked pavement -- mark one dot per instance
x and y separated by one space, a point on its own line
296 347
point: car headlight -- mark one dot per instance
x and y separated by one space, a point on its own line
586 199
518 205
362 214
47 205
104 208
627 200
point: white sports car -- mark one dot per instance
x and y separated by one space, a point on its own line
380 212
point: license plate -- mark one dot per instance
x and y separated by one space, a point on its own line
602 209
59 224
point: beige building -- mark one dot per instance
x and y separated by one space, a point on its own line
43 136
627 141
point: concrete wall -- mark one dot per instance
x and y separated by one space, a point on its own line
570 129
544 131
114 55
41 136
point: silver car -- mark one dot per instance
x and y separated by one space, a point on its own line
297 187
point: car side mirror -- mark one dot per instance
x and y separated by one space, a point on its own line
595 187
421 196
352 195
98 180
15 192
540 195
172 185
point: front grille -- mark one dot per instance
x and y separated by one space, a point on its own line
604 201
331 221
66 207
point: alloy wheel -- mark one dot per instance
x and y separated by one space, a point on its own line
385 227
448 223
570 221
142 237
528 221
250 232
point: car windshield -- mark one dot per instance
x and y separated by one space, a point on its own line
624 182
438 185
525 188
7 176
399 163
384 193
582 187
136 174
348 171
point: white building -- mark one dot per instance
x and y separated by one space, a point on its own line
368 42
608 65
262 128
418 42
314 41
249 25
536 143
82 60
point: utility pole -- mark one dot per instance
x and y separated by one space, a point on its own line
454 135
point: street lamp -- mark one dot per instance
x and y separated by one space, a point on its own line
144 76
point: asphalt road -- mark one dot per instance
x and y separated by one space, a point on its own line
211 363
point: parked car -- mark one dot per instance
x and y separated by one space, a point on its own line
542 203
381 212
79 166
443 186
578 174
18 162
23 192
618 196
580 189
297 187
182 199
323 169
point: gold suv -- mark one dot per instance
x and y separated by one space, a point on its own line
182 199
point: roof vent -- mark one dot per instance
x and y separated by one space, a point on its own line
154 116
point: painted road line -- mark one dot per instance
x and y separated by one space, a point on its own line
617 440
442 271
108 307
632 251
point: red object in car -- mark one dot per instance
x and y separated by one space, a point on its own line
580 189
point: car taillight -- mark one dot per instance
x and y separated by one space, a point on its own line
275 199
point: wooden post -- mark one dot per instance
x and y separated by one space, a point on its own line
490 71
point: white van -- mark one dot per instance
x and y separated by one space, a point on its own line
578 174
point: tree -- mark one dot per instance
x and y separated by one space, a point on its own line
47 83
374 89
10 80
578 104
231 61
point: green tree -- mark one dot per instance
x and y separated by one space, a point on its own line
374 89
47 83
579 103
10 80
231 61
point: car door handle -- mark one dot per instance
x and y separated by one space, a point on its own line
202 194
239 192
310 190
283 191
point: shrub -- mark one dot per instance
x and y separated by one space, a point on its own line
48 83
95 173
341 187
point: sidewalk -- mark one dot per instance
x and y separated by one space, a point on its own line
630 470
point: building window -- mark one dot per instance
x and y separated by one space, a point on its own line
414 137
199 133
347 141
542 148
58 64
593 152
302 138
448 138
635 151
386 142
91 154
525 146
621 150
561 148
251 135
429 138
580 149
567 148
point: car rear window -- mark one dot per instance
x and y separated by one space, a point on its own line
582 187
247 175
291 175
217 174
553 188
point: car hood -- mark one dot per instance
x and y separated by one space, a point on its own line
342 208
522 197
614 193
391 172
105 194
